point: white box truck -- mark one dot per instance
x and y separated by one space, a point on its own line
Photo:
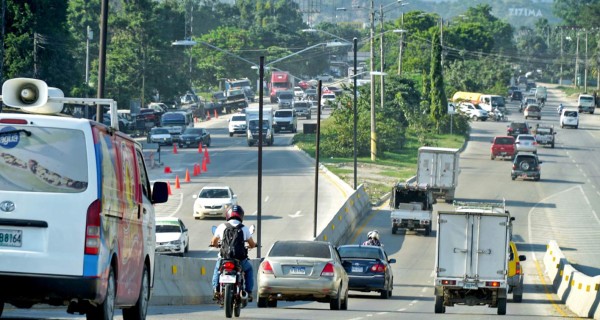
438 168
472 251
411 207
252 126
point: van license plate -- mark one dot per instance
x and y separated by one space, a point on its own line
11 238
470 286
226 278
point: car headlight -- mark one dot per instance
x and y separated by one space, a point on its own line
175 242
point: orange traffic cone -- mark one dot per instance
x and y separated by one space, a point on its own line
199 147
174 148
169 188
198 168
168 169
177 185
206 156
204 164
216 115
207 115
195 171
187 175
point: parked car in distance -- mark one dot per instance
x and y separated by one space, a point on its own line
525 142
502 146
237 124
302 270
310 94
194 137
368 269
160 136
532 111
569 118
213 201
285 120
526 165
304 84
171 236
516 128
515 273
328 100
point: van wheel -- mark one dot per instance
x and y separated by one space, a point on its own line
501 306
261 303
439 305
138 312
106 309
231 134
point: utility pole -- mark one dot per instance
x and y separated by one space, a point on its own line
577 62
382 61
89 35
102 55
372 66
35 68
561 57
585 65
442 41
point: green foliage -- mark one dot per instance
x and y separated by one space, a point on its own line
438 102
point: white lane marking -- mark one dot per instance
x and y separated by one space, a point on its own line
413 302
382 313
179 206
402 309
295 215
355 318
267 199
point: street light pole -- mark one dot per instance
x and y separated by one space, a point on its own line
402 32
372 66
355 103
381 56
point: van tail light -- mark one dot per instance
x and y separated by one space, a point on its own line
518 266
328 270
92 228
494 284
267 268
378 268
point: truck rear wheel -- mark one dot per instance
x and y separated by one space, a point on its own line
501 306
394 229
439 304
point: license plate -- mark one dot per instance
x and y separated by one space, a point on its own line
226 278
298 270
11 238
503 153
470 286
357 269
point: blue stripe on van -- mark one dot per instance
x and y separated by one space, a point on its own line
90 265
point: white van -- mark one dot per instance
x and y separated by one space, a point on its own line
586 103
570 118
76 208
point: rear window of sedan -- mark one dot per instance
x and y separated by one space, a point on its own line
518 125
360 252
524 137
504 141
300 249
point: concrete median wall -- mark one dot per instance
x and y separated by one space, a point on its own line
181 281
579 292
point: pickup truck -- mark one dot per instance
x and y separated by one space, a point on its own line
411 207
544 135
236 100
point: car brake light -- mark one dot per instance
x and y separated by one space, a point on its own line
229 266
494 284
514 167
13 121
328 270
518 266
510 129
266 267
448 282
378 268
92 228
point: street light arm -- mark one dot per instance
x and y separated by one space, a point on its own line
327 44
227 53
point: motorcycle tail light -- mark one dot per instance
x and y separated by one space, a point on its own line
229 266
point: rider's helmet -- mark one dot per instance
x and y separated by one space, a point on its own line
235 212
373 235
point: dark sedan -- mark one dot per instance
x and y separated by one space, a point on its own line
194 137
368 269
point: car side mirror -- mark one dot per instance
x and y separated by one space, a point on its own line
235 196
522 257
392 261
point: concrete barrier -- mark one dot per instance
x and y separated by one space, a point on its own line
579 292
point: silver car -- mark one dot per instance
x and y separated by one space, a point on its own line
302 270
526 142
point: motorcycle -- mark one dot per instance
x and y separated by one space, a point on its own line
232 283
497 115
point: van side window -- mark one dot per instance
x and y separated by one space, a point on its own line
143 177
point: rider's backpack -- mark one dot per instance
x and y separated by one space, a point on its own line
233 244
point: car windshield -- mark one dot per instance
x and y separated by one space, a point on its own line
587 99
519 126
165 228
300 105
286 96
360 252
300 249
283 114
195 131
504 141
238 118
543 130
253 124
214 193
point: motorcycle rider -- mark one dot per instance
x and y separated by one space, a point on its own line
234 217
560 108
372 239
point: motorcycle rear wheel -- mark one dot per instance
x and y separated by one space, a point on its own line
228 300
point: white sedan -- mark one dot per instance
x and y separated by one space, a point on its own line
171 236
213 201
526 143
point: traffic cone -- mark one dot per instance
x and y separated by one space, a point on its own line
169 188
174 148
216 115
199 147
198 168
187 175
177 185
207 115
206 156
204 164
195 173
168 169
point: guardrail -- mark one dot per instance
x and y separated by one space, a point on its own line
578 291
181 281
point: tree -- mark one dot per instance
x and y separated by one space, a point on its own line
438 101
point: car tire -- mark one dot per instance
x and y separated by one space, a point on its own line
1 307
492 157
501 306
336 303
344 305
231 134
261 303
394 229
272 303
513 177
105 310
518 298
384 294
539 118
427 231
439 305
552 145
